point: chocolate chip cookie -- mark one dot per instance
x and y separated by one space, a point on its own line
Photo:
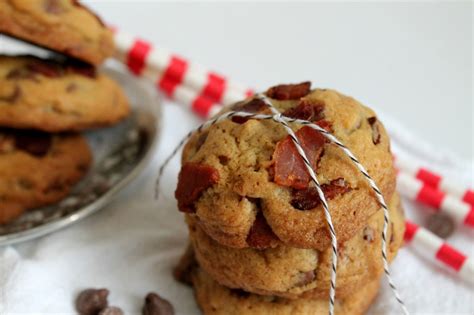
52 96
216 299
64 26
294 273
38 168
246 186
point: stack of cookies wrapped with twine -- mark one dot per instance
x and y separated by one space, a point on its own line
259 239
45 102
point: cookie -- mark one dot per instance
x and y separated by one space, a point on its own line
37 169
294 273
215 299
246 186
52 96
64 26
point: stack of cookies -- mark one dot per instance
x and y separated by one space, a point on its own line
45 102
257 228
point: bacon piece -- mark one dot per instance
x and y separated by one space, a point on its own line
261 235
289 91
193 179
375 129
307 110
253 106
34 142
46 68
290 169
309 199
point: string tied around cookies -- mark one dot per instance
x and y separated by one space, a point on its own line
284 121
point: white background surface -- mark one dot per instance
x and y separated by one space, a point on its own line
411 60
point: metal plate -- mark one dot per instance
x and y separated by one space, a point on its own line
120 154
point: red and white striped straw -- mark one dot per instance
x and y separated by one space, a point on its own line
414 189
423 240
178 78
435 180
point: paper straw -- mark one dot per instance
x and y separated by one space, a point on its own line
424 241
435 180
173 72
414 189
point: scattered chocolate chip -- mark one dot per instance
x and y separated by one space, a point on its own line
156 305
20 73
34 142
111 310
255 105
306 277
223 159
369 234
289 91
193 180
307 199
311 110
440 224
182 271
375 129
261 235
15 94
71 87
239 293
92 301
53 6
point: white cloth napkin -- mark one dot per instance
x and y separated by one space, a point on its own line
131 246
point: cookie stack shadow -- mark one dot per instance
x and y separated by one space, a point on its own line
46 102
259 242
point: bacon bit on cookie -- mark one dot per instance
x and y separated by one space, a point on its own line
375 129
34 142
307 110
289 91
253 106
261 235
193 179
46 68
309 199
290 169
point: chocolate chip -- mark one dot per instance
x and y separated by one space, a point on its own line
307 199
53 6
311 110
369 234
71 87
305 278
34 142
375 129
223 159
440 224
156 305
20 73
111 310
92 301
241 294
15 94
255 105
289 91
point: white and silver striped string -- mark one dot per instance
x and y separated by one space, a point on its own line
284 120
